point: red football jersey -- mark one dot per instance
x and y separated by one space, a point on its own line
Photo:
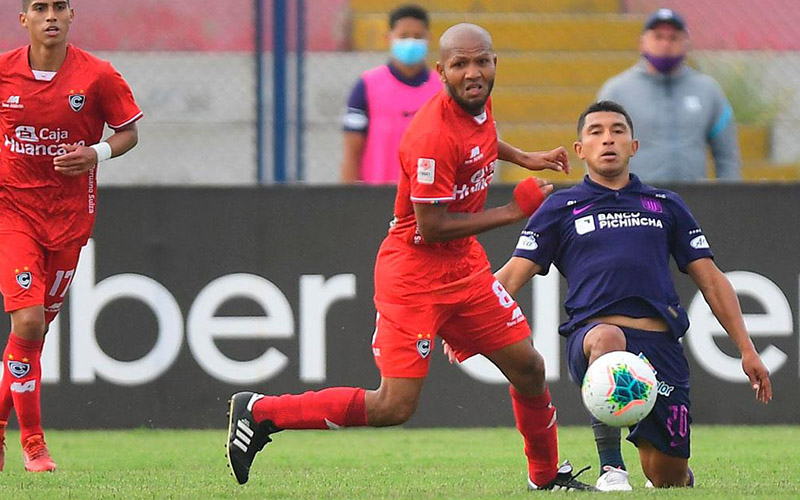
37 117
447 156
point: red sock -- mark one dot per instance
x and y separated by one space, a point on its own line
23 369
325 409
6 402
536 421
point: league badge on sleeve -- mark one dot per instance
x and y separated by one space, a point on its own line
426 170
76 102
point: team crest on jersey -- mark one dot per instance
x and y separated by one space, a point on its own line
18 368
76 102
424 347
24 279
652 204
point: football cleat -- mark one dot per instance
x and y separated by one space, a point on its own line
2 452
246 437
565 480
35 455
613 479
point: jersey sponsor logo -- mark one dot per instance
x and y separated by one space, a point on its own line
699 242
53 308
27 140
662 388
585 224
76 102
13 102
24 279
17 368
627 219
474 156
29 386
426 170
651 204
527 242
516 317
26 133
576 211
479 181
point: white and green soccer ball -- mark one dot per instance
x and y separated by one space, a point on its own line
619 388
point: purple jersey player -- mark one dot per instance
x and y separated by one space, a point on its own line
611 237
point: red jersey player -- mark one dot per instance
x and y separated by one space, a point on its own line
432 278
54 102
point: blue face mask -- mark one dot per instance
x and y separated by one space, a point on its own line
409 51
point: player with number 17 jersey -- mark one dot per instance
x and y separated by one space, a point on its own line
40 112
55 100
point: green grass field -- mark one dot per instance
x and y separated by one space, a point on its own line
730 463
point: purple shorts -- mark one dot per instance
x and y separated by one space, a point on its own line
667 427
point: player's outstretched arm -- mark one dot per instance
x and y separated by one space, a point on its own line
79 159
556 159
515 273
436 224
721 297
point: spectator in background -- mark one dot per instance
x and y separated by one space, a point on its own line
678 111
385 98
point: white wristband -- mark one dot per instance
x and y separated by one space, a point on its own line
103 150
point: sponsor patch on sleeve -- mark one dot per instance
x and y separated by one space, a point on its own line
426 170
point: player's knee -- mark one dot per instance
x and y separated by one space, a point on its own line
603 339
528 375
28 325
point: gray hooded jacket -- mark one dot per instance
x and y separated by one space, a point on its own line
675 117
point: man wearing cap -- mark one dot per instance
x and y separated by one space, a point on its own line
678 111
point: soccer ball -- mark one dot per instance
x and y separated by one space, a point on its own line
619 388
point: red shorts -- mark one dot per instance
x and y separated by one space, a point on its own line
482 319
31 275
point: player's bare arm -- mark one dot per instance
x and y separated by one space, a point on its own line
436 224
354 144
515 273
556 159
79 159
721 297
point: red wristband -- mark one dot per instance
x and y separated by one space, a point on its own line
528 196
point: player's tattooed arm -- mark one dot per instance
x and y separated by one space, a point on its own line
721 297
556 159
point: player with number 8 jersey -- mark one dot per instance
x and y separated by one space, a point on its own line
55 100
432 278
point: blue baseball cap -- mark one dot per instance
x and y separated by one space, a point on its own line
665 16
